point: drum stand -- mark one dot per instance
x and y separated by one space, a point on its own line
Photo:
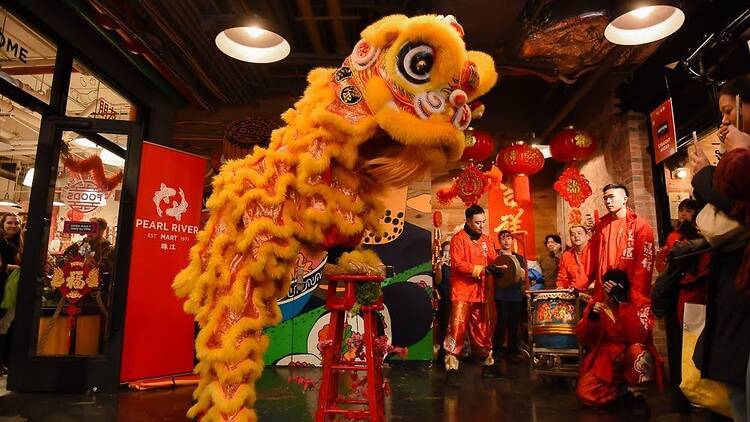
556 362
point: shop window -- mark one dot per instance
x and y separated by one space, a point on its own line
677 173
19 131
27 59
74 311
88 96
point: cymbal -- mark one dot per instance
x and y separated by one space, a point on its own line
512 275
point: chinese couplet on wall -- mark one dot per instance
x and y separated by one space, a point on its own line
505 213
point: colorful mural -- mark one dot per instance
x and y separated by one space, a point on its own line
404 245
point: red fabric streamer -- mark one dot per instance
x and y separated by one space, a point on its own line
94 166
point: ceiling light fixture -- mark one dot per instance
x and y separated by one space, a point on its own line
253 43
28 179
641 22
111 158
7 202
84 142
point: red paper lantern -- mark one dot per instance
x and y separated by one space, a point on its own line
572 144
478 147
437 218
520 160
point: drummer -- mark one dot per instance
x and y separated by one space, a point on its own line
617 332
509 301
572 273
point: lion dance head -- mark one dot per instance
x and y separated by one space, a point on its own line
407 87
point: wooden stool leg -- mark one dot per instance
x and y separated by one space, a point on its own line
329 387
374 369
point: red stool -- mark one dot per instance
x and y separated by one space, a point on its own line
329 401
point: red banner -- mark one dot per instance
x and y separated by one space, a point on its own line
663 131
507 214
158 333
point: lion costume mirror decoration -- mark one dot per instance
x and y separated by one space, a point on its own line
396 108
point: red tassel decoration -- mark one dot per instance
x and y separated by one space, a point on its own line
521 189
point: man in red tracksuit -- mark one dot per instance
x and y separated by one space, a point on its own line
622 241
471 255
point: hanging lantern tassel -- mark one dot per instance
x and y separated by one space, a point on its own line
521 161
521 190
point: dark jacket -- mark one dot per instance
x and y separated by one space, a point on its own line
722 352
514 293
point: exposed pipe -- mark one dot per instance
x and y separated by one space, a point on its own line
29 120
86 112
305 9
584 89
7 135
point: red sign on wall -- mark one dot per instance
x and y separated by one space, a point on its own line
507 214
158 334
663 131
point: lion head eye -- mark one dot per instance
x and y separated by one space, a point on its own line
415 62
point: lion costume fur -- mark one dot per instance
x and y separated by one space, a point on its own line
397 107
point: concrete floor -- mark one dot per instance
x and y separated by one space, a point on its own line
418 395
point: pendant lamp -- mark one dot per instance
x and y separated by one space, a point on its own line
8 202
637 22
253 41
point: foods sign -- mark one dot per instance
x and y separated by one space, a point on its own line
83 195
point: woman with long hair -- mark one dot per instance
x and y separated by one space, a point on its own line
726 344
11 245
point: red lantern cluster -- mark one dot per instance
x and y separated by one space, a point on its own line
520 160
571 145
478 147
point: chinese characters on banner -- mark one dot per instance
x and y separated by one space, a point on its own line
505 213
158 334
663 131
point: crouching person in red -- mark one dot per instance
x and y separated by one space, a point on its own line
621 359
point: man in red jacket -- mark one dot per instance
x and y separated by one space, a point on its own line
622 241
471 255
616 332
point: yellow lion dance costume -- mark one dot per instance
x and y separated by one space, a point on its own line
396 107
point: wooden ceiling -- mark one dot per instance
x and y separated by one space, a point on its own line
178 37
551 54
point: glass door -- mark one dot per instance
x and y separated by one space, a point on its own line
74 270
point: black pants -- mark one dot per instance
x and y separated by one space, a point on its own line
443 317
5 344
508 317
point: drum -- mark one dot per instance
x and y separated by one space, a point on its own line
554 318
512 275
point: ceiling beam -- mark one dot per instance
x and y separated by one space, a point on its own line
313 33
186 51
339 32
583 89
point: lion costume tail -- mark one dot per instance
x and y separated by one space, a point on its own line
242 262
